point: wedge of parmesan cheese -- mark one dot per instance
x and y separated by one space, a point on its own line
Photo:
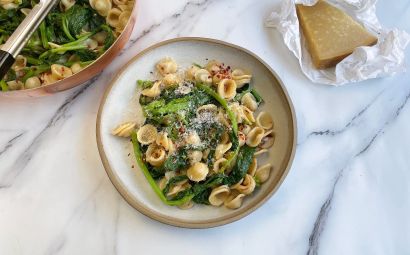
331 34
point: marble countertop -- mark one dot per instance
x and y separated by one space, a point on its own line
348 191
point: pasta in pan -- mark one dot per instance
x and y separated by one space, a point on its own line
72 36
200 140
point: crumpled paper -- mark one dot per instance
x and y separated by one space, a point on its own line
383 59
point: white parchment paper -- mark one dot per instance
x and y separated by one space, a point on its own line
383 59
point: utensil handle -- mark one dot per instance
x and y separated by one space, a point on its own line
15 43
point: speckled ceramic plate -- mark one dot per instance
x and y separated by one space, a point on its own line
120 104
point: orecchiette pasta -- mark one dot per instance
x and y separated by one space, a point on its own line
15 85
32 82
76 67
221 149
193 138
187 205
113 17
219 195
260 152
242 138
227 89
245 186
194 156
249 101
154 91
190 73
66 4
60 72
124 130
248 114
25 11
222 119
224 138
241 77
48 78
262 173
202 75
207 108
253 167
197 172
155 155
101 6
163 140
245 128
170 80
166 66
218 164
147 134
213 66
123 19
19 63
120 2
234 200
255 136
267 140
264 120
181 186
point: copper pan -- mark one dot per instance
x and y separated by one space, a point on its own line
87 73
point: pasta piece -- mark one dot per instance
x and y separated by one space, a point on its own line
91 44
249 101
207 108
267 140
147 134
224 138
60 72
262 174
255 136
238 111
193 138
218 164
124 129
260 152
203 76
227 89
25 11
247 114
100 37
162 183
242 138
166 66
194 156
32 82
247 186
123 19
10 6
19 63
120 2
15 85
170 80
264 120
187 205
213 67
155 155
253 167
163 140
76 67
65 5
171 148
48 78
181 186
245 128
205 154
198 172
190 73
234 200
219 195
154 91
221 149
101 6
240 77
222 119
113 17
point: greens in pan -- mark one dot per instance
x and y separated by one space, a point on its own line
200 139
73 35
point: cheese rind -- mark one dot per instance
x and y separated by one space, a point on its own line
330 33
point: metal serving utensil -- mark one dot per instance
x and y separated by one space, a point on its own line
12 47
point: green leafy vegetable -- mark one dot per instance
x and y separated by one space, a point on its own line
3 86
243 161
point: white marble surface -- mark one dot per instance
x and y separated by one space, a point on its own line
348 191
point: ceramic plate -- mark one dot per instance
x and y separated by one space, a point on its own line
121 104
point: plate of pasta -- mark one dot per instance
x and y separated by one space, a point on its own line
196 132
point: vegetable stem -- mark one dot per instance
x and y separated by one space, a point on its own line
43 35
3 85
